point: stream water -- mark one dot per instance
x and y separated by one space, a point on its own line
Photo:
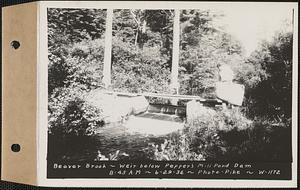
132 137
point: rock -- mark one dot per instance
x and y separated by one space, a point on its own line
195 111
139 104
123 106
230 92
114 108
191 106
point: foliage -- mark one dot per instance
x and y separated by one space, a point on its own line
139 70
175 149
262 142
203 46
112 156
75 25
75 67
204 131
143 39
77 30
141 50
82 64
227 135
200 138
270 95
145 28
82 67
86 62
70 115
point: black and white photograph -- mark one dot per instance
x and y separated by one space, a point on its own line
199 85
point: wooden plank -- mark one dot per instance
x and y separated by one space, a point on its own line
157 95
170 96
122 93
165 96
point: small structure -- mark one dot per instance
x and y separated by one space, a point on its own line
115 107
139 104
230 92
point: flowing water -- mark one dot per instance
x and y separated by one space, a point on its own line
132 137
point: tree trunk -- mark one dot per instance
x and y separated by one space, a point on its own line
136 37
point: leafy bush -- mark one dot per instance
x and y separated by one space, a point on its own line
203 46
261 142
200 138
79 71
81 64
227 135
174 149
86 63
68 28
269 92
204 132
137 70
69 114
77 119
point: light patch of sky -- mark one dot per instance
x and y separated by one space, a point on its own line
252 23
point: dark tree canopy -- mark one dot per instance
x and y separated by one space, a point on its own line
272 96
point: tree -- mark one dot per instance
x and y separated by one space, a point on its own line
203 46
271 95
67 27
141 50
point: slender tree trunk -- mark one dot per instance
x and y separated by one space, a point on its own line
108 50
136 37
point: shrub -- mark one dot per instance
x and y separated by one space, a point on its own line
201 139
229 135
85 61
70 79
268 79
76 64
69 114
139 70
262 142
175 149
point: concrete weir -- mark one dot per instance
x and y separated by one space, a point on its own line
137 115
157 120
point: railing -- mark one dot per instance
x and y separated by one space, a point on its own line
166 96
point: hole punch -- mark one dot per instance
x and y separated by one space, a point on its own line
15 44
15 148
